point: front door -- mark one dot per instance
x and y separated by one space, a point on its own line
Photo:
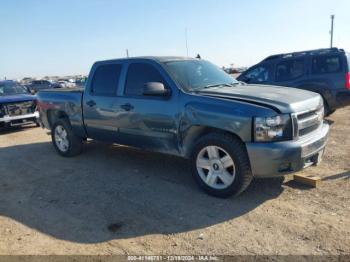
290 72
148 122
260 74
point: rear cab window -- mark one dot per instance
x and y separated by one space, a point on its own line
138 75
348 60
105 80
326 64
290 69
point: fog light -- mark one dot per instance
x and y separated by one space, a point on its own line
285 167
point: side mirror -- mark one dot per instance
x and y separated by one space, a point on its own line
154 89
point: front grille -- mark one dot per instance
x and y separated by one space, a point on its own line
308 122
20 108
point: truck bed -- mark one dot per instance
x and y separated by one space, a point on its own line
62 101
59 90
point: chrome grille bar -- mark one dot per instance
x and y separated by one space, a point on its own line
307 122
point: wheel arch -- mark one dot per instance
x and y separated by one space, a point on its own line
53 115
195 132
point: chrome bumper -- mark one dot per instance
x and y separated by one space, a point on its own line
9 119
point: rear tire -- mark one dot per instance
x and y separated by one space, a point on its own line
64 140
220 165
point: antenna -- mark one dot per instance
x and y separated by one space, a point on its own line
127 53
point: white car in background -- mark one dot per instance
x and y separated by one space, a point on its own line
66 84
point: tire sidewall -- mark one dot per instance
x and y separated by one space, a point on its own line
66 126
236 185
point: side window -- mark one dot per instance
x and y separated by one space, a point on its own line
257 74
326 64
290 69
105 81
138 75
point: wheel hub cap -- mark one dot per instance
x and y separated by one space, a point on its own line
216 167
61 138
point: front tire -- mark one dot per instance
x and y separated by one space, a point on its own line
220 165
66 143
327 110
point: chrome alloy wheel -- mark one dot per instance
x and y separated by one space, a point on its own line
215 167
61 138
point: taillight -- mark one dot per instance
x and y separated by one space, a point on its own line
37 105
347 81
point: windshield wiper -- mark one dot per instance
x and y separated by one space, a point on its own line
217 85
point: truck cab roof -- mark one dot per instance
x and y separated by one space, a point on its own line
159 59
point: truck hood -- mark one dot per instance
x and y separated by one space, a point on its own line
281 99
16 98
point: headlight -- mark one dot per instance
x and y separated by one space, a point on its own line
276 128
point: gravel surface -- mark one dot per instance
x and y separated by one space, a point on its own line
117 200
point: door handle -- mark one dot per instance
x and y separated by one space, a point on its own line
127 107
91 103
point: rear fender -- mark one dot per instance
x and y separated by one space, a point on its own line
53 115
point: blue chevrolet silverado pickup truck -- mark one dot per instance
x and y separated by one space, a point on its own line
230 131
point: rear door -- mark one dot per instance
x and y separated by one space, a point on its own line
100 102
148 122
290 72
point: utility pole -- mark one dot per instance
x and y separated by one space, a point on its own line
186 42
331 32
127 53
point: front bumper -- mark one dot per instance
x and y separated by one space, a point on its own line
19 120
282 158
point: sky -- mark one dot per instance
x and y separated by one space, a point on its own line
65 37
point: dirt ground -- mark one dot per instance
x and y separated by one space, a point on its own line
117 200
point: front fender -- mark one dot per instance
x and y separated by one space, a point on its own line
230 119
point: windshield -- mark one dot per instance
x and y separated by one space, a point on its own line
11 89
194 75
